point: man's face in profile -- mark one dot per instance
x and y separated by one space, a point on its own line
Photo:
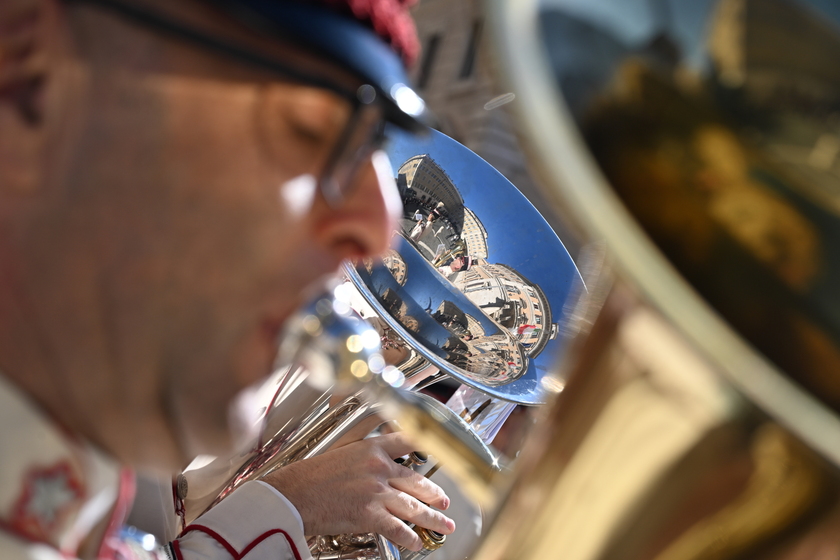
166 220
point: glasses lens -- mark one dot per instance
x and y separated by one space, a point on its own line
364 134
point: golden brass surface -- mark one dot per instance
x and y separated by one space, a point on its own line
431 540
647 454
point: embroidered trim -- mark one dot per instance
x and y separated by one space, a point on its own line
176 549
53 479
180 508
232 551
125 496
49 495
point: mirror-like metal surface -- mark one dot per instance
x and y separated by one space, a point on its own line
476 280
448 417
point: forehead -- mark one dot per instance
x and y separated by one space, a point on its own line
147 46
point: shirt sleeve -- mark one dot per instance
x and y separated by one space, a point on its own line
256 522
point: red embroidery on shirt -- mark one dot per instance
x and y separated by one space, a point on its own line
176 548
49 495
232 551
112 545
180 508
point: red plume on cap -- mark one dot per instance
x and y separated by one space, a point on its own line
390 19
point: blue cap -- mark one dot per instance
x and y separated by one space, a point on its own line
349 44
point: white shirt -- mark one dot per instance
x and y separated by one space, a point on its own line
55 489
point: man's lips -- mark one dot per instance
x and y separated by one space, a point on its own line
274 324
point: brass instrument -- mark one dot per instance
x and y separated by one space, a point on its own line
465 297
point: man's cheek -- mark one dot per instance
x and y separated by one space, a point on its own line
297 195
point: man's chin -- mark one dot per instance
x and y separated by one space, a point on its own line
246 413
200 433
235 432
218 443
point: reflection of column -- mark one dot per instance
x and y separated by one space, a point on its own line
487 424
474 235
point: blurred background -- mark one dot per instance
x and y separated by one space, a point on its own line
455 76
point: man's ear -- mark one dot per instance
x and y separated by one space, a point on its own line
23 63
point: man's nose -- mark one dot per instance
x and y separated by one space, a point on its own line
362 224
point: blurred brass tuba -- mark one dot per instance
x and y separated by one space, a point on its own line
695 146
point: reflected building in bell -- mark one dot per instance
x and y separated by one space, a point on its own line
452 317
498 358
422 178
397 308
512 301
395 264
457 79
474 235
500 354
518 306
474 326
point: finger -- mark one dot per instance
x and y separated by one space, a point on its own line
409 509
419 487
395 445
389 427
400 534
358 432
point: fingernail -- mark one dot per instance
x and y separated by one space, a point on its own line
445 503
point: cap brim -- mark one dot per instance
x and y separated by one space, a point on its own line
349 44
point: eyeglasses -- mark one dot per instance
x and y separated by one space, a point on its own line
363 134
